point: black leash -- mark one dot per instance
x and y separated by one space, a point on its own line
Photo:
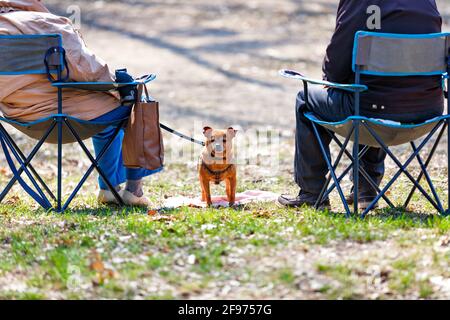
179 134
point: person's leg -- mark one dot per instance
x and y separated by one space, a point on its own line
373 164
310 166
134 193
112 161
329 105
134 179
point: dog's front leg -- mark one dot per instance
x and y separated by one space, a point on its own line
231 190
203 189
206 191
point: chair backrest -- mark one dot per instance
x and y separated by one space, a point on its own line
385 54
25 54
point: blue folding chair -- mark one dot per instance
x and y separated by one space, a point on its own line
45 55
387 55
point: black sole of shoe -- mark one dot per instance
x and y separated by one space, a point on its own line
307 205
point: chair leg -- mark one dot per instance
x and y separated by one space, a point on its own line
427 163
347 170
356 167
31 168
59 178
25 163
331 169
361 171
336 164
428 178
402 167
94 165
448 165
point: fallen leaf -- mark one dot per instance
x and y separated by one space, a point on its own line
152 212
12 200
110 273
159 217
102 274
262 214
96 262
444 241
166 249
65 241
97 266
384 275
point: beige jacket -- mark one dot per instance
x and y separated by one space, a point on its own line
30 97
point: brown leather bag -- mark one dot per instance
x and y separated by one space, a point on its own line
143 145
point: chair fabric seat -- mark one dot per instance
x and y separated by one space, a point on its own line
85 129
392 133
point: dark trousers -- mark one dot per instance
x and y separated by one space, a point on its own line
310 166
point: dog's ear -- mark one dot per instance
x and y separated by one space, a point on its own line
207 132
232 132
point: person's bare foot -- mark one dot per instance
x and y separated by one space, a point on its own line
130 199
106 197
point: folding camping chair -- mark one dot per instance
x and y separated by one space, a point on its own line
388 55
45 55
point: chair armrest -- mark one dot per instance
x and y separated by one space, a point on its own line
347 87
103 86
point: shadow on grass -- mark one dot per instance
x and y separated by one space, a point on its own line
107 211
398 214
385 215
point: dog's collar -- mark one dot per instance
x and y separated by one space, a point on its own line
215 173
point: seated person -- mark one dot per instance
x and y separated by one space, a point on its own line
401 99
31 97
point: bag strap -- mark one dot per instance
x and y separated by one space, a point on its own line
142 89
41 201
147 96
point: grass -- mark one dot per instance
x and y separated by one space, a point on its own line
256 251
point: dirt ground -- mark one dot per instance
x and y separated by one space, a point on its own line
217 61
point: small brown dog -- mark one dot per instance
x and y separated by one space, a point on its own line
217 163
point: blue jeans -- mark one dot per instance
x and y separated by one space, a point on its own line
112 163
